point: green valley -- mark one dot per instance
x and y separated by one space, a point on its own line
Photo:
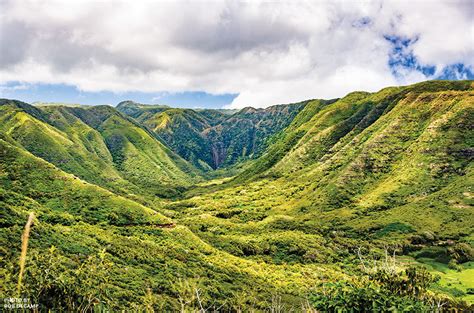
212 139
358 204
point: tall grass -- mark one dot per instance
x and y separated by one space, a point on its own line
24 248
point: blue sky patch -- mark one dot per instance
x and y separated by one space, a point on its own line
70 94
457 71
401 59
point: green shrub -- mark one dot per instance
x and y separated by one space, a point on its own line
384 290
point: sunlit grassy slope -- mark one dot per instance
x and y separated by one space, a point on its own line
65 197
393 168
362 164
319 206
99 145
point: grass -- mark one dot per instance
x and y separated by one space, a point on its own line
453 280
124 222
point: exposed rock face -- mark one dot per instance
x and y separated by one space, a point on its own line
218 154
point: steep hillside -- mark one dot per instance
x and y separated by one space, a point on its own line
90 247
97 144
212 139
320 127
246 133
64 196
359 202
388 169
285 140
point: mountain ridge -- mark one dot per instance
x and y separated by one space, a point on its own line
215 138
357 200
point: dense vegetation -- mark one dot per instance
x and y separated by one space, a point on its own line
212 139
357 204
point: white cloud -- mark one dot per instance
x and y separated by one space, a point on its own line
267 52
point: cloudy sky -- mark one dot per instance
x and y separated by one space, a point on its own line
227 53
